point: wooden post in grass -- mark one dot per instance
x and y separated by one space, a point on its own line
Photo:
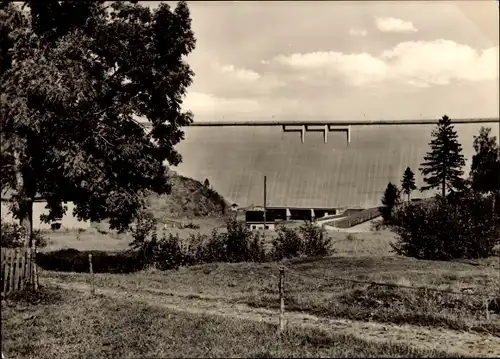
35 269
91 271
486 310
282 300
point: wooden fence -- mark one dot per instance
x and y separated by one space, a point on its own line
18 268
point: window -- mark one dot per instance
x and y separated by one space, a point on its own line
267 227
253 227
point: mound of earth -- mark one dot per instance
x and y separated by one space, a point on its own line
189 198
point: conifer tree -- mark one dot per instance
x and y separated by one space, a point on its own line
442 166
408 182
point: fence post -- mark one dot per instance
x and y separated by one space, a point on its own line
12 260
35 269
91 271
486 310
23 268
282 301
17 270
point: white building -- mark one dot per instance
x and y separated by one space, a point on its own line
68 221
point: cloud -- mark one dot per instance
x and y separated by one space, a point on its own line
391 24
229 81
357 32
413 63
204 103
239 74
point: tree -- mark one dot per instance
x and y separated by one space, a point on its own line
440 229
390 200
206 183
74 78
408 182
485 167
442 166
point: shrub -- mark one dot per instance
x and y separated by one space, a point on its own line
167 252
72 260
351 237
143 229
444 230
191 225
237 240
194 248
288 244
214 250
315 240
12 236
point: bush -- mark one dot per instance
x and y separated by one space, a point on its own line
12 236
237 245
288 244
351 237
241 244
72 260
214 249
316 243
444 230
191 225
167 253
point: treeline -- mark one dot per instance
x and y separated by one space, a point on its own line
463 219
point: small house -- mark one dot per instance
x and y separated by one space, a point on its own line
234 207
68 221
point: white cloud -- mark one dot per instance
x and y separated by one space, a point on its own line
412 63
357 32
228 81
243 75
391 24
203 103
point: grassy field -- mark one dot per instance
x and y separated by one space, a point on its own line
230 309
68 325
100 237
310 288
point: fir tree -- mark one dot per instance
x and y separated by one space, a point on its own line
442 166
389 200
408 182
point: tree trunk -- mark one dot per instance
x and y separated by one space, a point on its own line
25 204
493 203
25 215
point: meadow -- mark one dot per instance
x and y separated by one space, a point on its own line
334 305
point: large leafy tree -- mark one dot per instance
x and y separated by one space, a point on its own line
442 166
408 182
74 78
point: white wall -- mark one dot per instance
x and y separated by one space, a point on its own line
261 226
68 221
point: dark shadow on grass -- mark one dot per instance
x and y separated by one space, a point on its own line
72 260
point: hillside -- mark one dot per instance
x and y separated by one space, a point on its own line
188 199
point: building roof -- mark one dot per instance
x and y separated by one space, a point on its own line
313 174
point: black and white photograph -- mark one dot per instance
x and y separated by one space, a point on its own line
250 179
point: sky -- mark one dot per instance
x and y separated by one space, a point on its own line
343 60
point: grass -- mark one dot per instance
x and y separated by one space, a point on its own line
99 237
309 289
68 325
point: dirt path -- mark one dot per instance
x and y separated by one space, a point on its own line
455 342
